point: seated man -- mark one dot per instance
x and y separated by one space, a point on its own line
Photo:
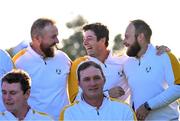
94 105
15 92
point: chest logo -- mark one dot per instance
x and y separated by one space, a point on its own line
148 69
120 73
58 71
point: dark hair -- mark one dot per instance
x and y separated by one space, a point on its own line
39 25
142 27
18 76
87 64
100 31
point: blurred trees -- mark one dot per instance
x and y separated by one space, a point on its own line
118 46
73 46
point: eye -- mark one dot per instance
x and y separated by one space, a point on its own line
54 36
89 38
86 79
13 93
97 77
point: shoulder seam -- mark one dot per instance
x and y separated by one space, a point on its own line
20 53
64 109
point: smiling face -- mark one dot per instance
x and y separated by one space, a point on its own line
92 45
91 82
131 41
13 97
49 40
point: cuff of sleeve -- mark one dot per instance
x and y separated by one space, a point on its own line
151 104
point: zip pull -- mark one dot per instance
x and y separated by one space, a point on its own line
139 62
105 65
44 59
45 63
97 112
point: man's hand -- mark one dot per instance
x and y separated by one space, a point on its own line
141 113
116 92
162 49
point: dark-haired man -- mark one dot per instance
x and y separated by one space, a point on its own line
15 93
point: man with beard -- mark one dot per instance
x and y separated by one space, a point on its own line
154 80
47 66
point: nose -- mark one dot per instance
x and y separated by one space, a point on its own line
56 40
125 42
92 82
85 42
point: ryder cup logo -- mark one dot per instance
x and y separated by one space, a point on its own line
58 71
120 73
148 69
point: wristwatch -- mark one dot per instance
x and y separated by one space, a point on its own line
146 105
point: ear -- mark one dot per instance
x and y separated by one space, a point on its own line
140 38
27 94
103 40
37 38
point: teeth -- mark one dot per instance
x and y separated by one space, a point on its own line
9 103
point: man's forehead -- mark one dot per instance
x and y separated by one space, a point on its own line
6 85
88 33
130 28
90 71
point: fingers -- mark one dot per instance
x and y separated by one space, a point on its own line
142 112
162 49
116 92
121 92
140 117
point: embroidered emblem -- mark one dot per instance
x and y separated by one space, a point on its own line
120 73
58 71
148 69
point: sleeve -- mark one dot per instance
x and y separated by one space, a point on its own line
131 115
125 86
172 76
6 63
17 56
73 80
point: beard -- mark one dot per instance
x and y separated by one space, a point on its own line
133 49
48 51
